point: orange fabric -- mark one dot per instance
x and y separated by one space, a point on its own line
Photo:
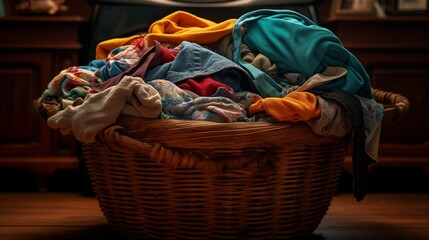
183 26
105 47
294 107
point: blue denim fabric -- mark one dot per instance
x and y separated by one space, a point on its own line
194 60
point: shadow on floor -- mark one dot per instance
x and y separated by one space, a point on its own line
105 232
99 232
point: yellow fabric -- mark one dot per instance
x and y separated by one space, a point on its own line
105 47
183 26
294 107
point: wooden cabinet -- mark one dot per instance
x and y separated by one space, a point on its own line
395 52
33 49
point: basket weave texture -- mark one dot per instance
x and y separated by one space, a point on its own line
176 179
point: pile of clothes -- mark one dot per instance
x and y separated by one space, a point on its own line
267 65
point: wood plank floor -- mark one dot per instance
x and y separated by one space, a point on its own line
71 216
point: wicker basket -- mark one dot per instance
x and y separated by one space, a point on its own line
174 179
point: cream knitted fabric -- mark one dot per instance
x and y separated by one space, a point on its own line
131 97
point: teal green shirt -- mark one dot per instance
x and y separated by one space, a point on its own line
297 45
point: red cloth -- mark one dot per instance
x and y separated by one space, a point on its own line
203 86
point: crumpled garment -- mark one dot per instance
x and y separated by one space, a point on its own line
118 60
373 113
104 48
150 58
178 104
296 45
223 47
259 60
352 105
71 83
294 107
130 97
194 60
183 26
333 121
243 98
202 86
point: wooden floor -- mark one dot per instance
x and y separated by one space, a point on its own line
71 216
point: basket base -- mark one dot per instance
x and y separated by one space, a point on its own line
285 199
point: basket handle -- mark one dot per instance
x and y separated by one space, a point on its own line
254 160
395 105
157 153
